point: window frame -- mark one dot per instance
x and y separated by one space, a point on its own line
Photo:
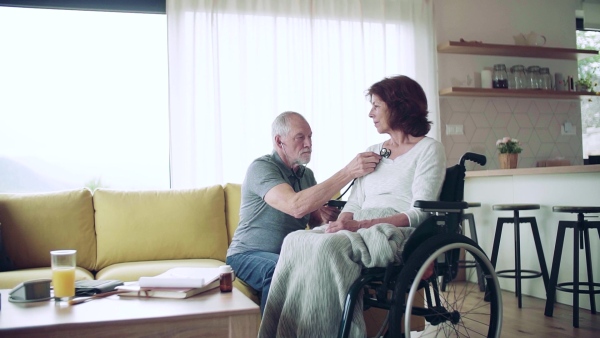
133 6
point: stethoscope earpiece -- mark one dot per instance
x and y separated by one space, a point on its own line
385 152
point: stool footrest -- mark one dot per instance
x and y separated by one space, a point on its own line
531 274
565 288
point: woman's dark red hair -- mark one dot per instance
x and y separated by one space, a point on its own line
406 102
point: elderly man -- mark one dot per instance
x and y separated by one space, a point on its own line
280 195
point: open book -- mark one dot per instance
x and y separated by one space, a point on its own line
181 278
174 283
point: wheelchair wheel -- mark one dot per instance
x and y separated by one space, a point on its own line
461 310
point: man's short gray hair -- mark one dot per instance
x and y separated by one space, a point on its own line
281 125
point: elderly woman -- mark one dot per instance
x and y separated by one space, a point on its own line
317 267
415 165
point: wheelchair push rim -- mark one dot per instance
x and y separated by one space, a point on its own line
455 321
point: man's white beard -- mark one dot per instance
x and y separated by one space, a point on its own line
301 161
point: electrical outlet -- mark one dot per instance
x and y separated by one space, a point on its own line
568 129
454 129
459 129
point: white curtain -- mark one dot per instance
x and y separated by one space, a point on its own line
236 64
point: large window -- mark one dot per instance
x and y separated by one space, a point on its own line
590 107
83 100
89 99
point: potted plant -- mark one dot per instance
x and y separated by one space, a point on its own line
509 149
586 81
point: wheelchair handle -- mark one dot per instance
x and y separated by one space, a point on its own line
477 158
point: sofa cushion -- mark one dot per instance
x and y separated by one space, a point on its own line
132 271
35 224
160 225
233 199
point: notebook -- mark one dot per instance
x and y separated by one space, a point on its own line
136 291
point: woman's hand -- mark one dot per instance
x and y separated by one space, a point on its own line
343 224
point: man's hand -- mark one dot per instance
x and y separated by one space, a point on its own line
328 213
363 164
323 215
343 224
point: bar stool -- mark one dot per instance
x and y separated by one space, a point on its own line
581 240
517 272
473 233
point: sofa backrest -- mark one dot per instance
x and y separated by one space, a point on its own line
35 224
233 198
160 225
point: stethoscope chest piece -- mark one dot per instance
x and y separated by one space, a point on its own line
385 152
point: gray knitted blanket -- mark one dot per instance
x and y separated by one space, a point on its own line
315 271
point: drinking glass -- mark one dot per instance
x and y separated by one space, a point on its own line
63 274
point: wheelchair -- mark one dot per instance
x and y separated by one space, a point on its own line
459 308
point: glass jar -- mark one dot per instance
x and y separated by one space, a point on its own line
500 77
511 78
519 77
533 77
545 78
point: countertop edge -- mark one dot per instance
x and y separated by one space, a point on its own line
573 169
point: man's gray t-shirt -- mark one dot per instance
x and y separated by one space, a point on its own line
262 227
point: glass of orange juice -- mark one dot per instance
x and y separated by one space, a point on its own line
63 274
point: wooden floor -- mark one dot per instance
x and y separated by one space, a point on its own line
529 321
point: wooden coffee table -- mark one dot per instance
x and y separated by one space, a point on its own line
209 314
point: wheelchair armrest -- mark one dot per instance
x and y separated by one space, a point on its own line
439 206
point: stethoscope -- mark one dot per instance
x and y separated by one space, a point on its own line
298 174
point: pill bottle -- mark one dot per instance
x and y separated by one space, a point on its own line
226 277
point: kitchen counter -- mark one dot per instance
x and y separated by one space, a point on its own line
547 186
572 169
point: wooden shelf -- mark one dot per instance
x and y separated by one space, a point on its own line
476 48
516 93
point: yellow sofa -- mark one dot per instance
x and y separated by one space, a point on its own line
118 234
123 235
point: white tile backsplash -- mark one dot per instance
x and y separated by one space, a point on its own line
536 123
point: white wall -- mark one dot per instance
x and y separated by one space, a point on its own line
591 14
496 21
